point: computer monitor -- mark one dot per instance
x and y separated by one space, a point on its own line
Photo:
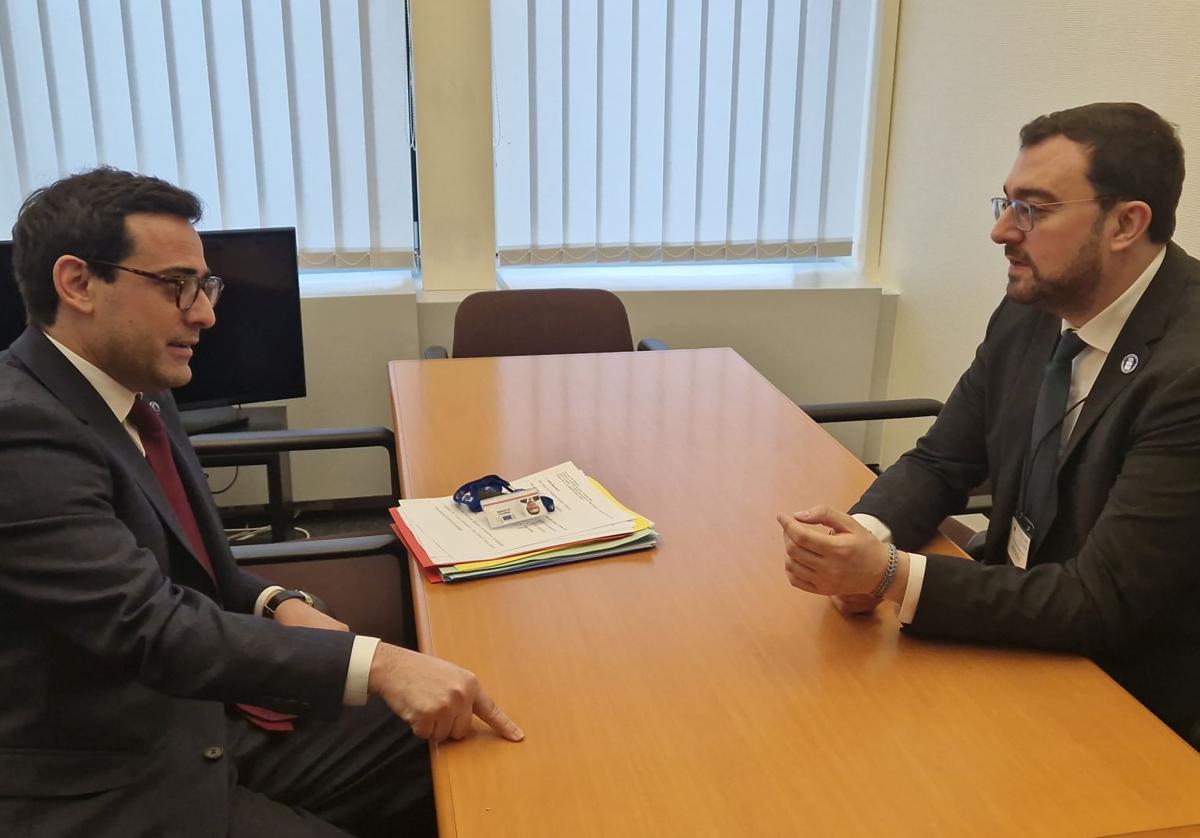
255 352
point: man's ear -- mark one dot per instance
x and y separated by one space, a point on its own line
75 284
1132 219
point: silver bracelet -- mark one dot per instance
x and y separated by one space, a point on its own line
890 573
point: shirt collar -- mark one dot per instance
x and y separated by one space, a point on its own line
117 396
1103 330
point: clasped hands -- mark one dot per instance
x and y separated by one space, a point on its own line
828 552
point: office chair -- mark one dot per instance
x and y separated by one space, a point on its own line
363 580
541 322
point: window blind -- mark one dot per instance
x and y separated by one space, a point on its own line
678 130
276 112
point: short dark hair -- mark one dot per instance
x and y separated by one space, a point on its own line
84 215
1135 155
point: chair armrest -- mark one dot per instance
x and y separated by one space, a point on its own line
433 353
868 411
653 344
294 439
300 439
316 548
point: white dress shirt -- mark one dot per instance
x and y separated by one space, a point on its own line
120 401
1099 333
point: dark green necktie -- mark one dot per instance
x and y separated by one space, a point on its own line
1040 495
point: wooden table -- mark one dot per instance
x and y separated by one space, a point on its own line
689 691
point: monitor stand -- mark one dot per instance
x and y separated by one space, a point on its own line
208 420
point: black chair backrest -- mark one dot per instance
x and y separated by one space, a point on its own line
541 322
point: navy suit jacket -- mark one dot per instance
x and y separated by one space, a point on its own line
117 651
1116 573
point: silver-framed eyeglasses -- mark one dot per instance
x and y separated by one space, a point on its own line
1024 212
187 286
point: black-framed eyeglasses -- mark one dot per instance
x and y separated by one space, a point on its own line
187 286
1024 212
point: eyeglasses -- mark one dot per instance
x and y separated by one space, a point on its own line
187 287
1025 211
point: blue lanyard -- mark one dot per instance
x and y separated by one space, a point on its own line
472 494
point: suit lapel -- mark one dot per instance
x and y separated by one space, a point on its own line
191 475
1141 332
60 377
1019 395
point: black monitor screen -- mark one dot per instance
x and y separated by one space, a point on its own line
12 310
255 352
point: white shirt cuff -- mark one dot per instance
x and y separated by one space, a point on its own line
267 593
916 566
359 670
362 652
912 591
874 526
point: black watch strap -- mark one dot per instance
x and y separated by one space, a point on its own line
280 597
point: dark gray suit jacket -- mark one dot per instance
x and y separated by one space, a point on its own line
117 653
1116 575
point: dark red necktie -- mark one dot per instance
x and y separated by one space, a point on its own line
150 428
144 417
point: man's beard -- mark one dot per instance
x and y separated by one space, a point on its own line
1071 291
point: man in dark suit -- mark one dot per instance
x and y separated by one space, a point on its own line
127 632
1082 408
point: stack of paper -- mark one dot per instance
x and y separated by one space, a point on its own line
451 543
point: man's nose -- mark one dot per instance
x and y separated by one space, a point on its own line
201 314
1005 230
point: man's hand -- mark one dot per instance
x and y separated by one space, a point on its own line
828 552
435 697
297 612
854 605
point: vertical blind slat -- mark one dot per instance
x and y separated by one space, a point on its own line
549 121
809 157
237 172
581 56
740 137
271 97
680 179
514 123
849 120
30 95
192 104
746 150
11 188
647 142
716 97
111 109
150 93
615 91
276 112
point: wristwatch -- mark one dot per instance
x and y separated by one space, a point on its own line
280 597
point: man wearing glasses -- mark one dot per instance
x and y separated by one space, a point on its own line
146 677
1082 410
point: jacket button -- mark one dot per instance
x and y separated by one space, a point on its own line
214 752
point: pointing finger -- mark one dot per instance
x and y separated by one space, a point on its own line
496 718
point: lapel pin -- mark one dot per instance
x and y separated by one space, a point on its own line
154 405
1129 363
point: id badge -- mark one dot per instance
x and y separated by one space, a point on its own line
1019 535
513 508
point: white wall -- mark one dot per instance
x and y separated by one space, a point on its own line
969 74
